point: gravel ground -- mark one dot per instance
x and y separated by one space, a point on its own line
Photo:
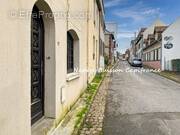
142 104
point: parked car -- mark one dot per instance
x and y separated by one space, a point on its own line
136 62
123 59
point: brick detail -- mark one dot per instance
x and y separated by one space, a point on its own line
153 64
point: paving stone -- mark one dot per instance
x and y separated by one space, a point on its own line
96 114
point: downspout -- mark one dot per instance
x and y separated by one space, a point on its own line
99 37
67 16
99 14
161 57
87 42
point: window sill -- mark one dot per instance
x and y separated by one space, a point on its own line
72 76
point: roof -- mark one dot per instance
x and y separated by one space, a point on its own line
140 35
132 42
150 36
143 29
109 33
175 24
160 29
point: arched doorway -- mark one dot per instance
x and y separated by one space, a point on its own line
43 62
37 66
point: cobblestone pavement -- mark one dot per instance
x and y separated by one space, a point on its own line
141 104
94 120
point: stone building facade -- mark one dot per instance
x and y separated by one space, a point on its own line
109 46
139 44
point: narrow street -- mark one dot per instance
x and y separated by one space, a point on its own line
142 104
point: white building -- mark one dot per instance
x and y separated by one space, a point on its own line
171 37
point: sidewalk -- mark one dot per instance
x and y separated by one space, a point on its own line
90 106
175 76
94 120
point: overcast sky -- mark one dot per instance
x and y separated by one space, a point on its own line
131 15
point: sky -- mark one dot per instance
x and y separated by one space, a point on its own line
131 15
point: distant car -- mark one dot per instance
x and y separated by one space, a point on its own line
123 59
136 62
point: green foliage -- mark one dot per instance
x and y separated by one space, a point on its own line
80 116
176 64
91 88
89 96
82 112
98 78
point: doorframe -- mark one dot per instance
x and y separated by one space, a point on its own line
49 83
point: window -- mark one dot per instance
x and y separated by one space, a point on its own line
94 48
72 51
149 56
152 55
155 55
146 56
159 54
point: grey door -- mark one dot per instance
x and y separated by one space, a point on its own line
37 66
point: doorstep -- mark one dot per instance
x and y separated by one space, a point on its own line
42 126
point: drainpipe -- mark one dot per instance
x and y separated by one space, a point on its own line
161 61
67 15
99 38
87 63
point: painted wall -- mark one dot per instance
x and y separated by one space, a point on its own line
15 64
93 44
107 44
173 53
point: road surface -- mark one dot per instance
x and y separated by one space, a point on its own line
141 104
